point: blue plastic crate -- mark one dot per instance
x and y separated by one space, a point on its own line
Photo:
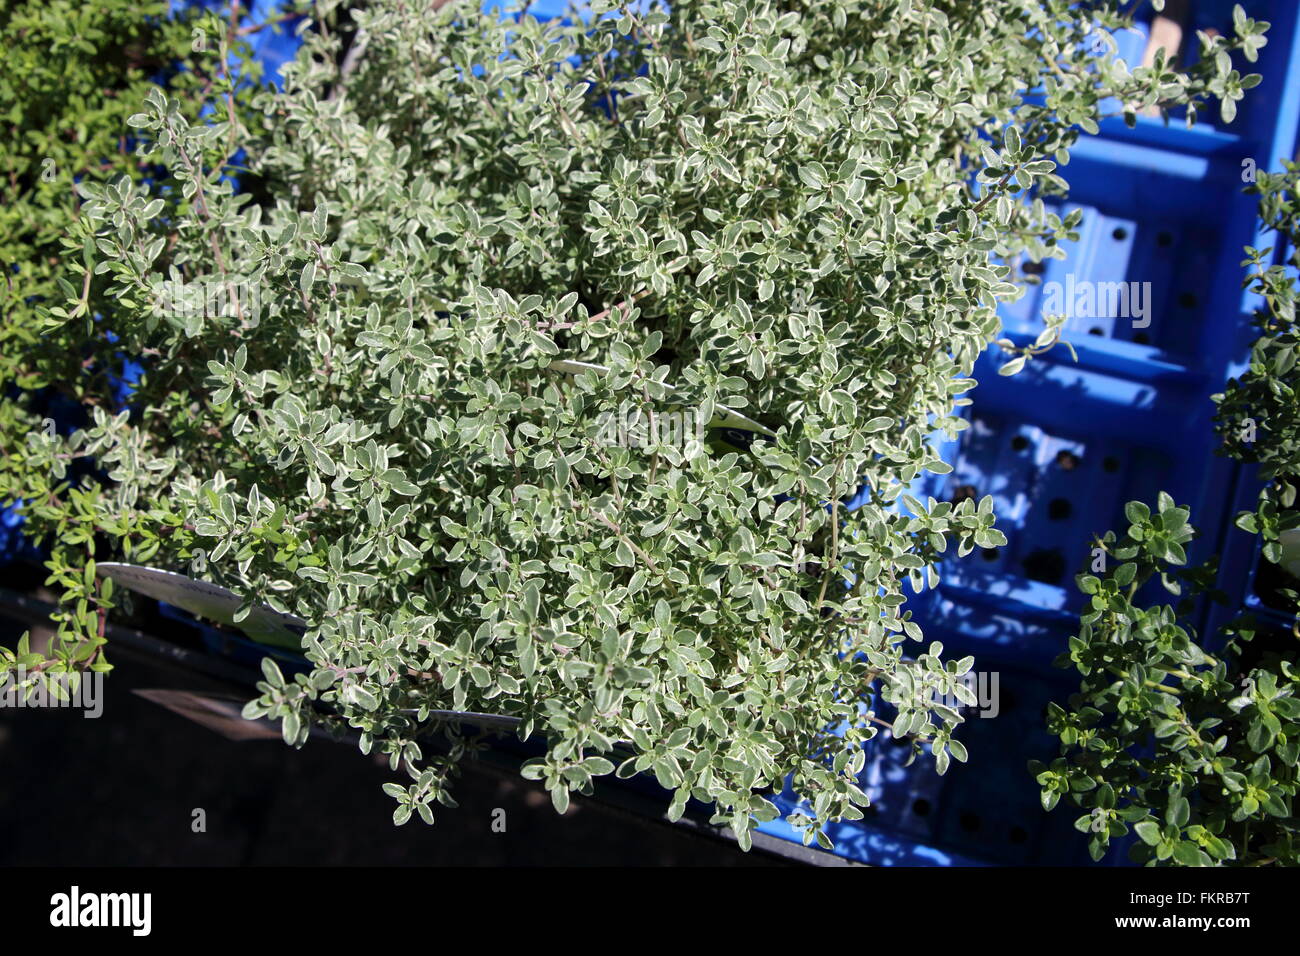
1063 445
1242 565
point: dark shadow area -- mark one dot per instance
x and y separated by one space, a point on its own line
122 790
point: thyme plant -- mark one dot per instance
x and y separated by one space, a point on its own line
805 213
72 75
1196 750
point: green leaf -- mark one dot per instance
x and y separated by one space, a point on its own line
1189 854
1136 512
1014 366
271 671
560 798
1148 831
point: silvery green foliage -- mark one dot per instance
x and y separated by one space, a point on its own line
767 206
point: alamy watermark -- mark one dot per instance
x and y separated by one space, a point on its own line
640 429
189 301
83 690
75 909
1085 299
975 691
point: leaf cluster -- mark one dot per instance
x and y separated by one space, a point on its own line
799 212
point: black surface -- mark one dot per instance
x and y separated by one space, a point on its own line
121 790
